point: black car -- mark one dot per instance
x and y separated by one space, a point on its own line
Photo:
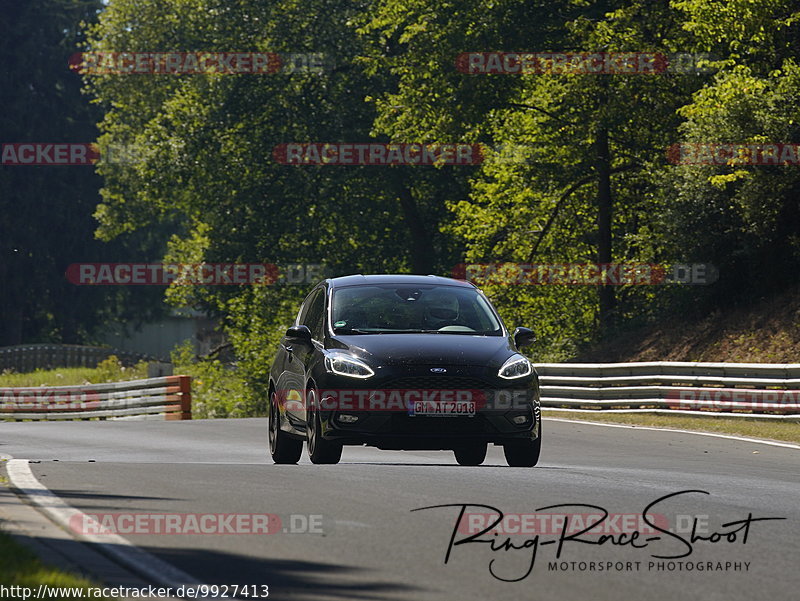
402 362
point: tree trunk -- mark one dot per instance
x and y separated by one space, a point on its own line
604 218
421 249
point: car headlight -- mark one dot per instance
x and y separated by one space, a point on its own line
516 366
345 365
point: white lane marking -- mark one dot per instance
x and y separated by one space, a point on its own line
772 443
21 477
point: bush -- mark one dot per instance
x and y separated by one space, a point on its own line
112 370
218 391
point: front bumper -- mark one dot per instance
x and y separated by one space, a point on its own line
505 413
427 433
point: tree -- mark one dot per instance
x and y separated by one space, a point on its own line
46 211
594 157
744 218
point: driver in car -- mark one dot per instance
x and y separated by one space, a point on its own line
440 310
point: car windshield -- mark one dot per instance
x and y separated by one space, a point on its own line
400 309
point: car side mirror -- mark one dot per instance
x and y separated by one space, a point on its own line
299 333
523 337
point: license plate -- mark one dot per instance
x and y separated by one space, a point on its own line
443 408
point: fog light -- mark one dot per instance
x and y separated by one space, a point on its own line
346 418
519 419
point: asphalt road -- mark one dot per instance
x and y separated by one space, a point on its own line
370 544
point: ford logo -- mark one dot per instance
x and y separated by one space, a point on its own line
438 370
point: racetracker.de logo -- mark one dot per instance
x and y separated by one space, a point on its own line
196 274
584 274
734 154
194 63
175 523
368 153
82 153
591 524
49 153
47 400
734 399
413 401
164 274
581 63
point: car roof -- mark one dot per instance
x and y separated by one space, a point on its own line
417 280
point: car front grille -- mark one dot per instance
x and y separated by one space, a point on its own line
437 383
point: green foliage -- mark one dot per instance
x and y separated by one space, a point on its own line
595 184
217 391
544 209
758 30
109 370
112 370
204 144
749 216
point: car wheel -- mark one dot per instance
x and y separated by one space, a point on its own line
282 447
523 453
319 449
473 454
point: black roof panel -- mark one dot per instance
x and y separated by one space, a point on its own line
419 280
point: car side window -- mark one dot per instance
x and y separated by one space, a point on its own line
302 314
313 316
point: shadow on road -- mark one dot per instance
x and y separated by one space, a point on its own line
297 580
113 500
290 578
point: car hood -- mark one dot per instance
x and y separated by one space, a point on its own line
428 349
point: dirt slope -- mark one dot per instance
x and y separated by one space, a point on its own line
767 332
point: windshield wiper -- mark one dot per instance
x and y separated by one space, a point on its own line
411 331
408 331
353 331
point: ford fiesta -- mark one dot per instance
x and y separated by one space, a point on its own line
402 362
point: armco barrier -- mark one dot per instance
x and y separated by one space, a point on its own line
29 357
167 397
712 389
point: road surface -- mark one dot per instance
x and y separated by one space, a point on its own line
350 531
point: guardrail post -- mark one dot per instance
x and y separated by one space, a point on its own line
185 383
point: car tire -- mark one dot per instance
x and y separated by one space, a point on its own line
320 451
473 454
282 447
523 453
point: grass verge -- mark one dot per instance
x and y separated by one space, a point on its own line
20 567
783 431
110 370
